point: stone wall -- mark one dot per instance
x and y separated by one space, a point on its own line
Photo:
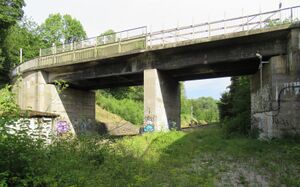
37 128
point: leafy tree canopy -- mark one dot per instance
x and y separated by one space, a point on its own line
10 12
62 29
234 106
26 35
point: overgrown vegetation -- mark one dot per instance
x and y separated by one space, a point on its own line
20 32
234 107
200 111
122 104
197 158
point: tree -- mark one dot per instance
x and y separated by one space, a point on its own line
234 106
10 12
60 29
26 35
108 36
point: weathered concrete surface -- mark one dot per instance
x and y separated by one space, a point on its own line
161 100
281 85
77 107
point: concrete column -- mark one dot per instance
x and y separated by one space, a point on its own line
281 81
161 100
77 107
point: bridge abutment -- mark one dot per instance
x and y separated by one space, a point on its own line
161 100
76 107
275 104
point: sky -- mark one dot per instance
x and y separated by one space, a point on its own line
98 16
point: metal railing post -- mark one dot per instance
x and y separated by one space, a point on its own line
74 56
53 53
208 29
119 45
291 15
21 55
224 22
260 19
40 57
247 22
163 38
193 31
95 50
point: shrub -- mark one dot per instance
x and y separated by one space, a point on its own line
128 109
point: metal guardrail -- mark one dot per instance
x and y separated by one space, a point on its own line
115 37
138 38
226 26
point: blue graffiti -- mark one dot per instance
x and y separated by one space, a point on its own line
149 128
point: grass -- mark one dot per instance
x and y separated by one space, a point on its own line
202 157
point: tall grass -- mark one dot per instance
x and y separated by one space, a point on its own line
198 158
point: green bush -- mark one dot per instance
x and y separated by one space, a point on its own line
234 107
128 109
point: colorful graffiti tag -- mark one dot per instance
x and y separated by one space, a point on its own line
148 124
62 127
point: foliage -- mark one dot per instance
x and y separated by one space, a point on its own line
202 110
10 12
154 159
273 23
8 106
132 92
234 107
26 35
60 29
129 109
108 36
61 85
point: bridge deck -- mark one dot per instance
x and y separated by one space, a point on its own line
139 40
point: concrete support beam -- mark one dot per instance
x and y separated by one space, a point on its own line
77 107
280 84
161 100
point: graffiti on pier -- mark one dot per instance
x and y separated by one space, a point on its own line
148 123
62 127
291 88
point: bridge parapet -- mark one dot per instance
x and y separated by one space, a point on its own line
98 48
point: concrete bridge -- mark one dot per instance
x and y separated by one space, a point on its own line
265 46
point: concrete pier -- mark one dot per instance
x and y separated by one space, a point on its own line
161 100
76 107
275 104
